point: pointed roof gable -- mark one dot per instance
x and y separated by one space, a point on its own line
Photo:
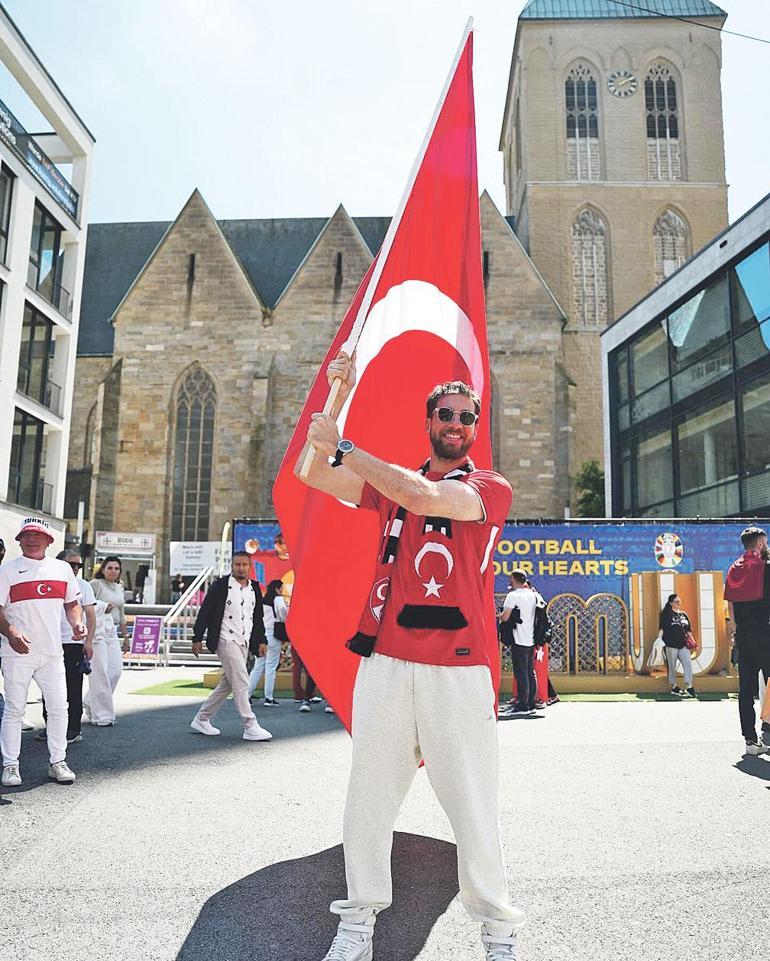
269 252
612 9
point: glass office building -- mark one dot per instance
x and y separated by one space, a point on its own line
687 386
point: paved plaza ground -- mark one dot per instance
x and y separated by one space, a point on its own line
631 831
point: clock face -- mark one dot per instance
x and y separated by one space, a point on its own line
621 83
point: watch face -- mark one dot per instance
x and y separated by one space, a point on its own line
346 446
621 83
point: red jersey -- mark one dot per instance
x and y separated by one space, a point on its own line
440 603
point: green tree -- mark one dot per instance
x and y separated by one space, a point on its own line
589 485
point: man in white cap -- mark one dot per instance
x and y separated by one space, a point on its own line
34 590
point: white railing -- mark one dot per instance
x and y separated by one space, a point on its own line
181 618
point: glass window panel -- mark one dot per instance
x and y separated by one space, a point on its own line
752 345
196 405
619 362
718 501
650 402
752 287
624 416
654 471
708 450
626 504
755 403
666 509
700 325
704 372
649 360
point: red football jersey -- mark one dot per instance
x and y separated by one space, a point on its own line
440 601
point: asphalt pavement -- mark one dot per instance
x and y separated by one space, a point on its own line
631 831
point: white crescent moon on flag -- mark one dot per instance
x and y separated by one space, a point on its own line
416 305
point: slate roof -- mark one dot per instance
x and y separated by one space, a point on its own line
608 9
269 250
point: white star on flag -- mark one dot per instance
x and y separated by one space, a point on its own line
432 588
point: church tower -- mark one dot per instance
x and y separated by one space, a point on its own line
613 155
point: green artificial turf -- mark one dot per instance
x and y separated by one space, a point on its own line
184 688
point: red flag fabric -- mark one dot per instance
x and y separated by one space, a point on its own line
423 314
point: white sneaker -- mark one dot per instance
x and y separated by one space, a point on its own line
27 725
204 727
305 707
352 942
254 732
61 772
499 949
328 709
11 776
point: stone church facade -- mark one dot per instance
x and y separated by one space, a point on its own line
199 339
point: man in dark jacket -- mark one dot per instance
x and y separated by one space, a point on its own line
231 619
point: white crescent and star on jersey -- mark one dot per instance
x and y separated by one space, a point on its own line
432 587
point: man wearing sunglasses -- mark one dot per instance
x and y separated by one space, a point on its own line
424 688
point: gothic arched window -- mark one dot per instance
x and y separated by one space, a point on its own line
193 449
670 238
582 115
664 160
89 447
590 270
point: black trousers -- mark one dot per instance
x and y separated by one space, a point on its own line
753 657
523 659
73 656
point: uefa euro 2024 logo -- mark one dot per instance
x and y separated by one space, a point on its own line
668 550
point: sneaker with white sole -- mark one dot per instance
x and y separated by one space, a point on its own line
315 699
11 776
328 709
61 773
75 739
204 727
271 702
304 707
754 748
352 942
499 949
255 732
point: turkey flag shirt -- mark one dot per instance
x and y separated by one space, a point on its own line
440 597
33 594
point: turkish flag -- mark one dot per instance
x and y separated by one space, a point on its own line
417 319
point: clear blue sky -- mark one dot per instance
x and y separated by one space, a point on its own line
286 109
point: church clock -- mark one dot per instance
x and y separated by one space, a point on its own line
621 83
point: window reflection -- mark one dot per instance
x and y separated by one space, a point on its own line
649 360
752 288
655 482
700 325
708 451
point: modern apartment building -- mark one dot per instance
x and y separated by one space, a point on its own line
44 188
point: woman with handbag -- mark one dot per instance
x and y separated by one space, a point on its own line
676 633
274 612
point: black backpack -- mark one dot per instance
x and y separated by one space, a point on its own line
543 630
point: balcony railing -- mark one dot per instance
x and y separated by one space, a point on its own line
50 290
36 495
38 162
49 395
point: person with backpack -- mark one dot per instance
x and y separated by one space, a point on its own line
519 611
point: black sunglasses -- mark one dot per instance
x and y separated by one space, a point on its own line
466 417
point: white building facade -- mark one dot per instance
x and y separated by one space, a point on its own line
42 251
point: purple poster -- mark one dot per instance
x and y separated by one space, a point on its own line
145 638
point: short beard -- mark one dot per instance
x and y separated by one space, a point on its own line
445 453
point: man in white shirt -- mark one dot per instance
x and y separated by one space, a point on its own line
34 590
232 620
518 617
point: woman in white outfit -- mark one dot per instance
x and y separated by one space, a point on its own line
110 642
274 609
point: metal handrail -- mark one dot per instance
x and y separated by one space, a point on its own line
183 607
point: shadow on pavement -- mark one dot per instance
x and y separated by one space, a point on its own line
146 737
755 767
282 911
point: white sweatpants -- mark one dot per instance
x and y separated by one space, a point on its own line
447 716
48 674
106 668
267 665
